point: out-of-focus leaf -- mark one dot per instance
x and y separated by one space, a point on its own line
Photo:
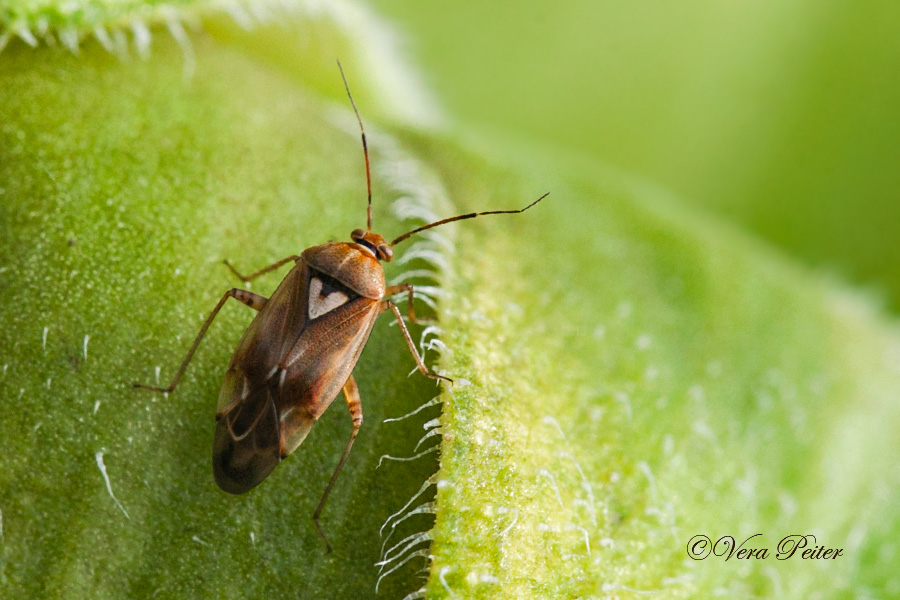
640 375
783 117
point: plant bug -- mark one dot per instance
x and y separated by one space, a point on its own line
301 348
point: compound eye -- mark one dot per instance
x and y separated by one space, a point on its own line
385 252
357 234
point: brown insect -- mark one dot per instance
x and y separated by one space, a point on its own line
300 350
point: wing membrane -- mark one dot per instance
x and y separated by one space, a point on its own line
275 327
285 373
246 446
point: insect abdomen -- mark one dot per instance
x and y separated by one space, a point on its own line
247 445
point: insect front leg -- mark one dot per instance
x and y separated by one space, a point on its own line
351 393
254 301
387 304
408 288
252 276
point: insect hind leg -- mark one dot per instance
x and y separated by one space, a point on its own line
254 301
351 393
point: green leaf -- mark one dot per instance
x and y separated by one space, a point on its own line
641 375
629 374
792 132
123 188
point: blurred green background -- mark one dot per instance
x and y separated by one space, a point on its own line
781 115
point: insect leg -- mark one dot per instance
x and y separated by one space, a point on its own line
254 301
386 304
252 276
408 288
351 393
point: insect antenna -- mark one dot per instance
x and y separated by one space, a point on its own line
466 216
365 149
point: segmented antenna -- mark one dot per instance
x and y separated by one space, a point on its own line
466 216
365 148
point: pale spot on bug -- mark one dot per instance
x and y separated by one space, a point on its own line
319 304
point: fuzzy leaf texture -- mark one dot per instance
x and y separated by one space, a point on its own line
629 373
